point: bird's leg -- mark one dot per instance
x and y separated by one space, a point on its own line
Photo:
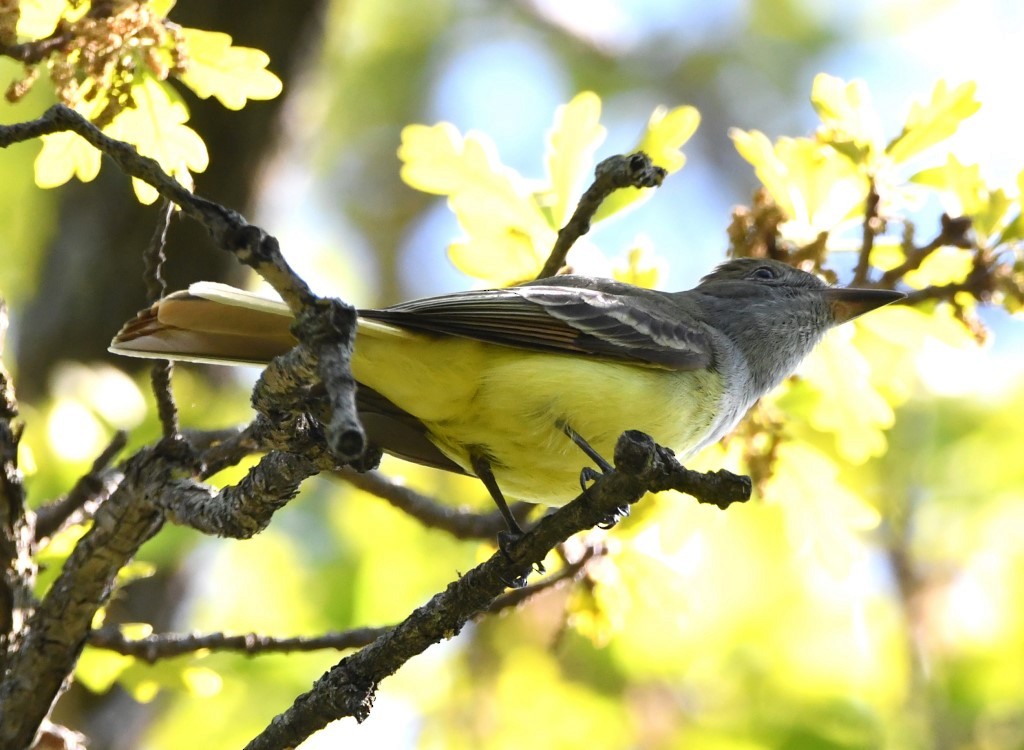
589 474
584 446
482 468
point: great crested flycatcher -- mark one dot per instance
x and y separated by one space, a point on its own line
501 383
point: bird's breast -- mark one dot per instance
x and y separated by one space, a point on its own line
509 404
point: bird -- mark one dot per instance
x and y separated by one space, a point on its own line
509 384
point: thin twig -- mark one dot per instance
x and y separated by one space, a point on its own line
37 50
430 512
158 646
153 259
89 487
952 232
168 645
870 229
616 172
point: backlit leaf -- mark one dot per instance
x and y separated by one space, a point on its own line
231 74
667 130
852 124
934 122
815 186
572 140
63 156
156 126
495 207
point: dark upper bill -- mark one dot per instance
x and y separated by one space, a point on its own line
848 304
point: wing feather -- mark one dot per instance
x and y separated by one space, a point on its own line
566 314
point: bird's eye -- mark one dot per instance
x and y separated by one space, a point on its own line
764 272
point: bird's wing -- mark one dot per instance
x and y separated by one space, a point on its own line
567 314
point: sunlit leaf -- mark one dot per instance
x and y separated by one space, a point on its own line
201 681
822 516
494 205
572 140
931 123
667 130
848 406
962 184
39 17
641 266
815 186
156 126
98 669
852 124
231 74
63 156
945 266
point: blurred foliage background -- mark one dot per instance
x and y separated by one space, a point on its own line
869 597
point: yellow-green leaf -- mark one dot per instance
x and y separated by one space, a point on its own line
934 122
641 266
667 130
848 406
962 184
945 266
156 127
815 186
822 516
853 125
63 156
39 18
572 140
508 234
98 669
231 74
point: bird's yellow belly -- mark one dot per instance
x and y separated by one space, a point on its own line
508 405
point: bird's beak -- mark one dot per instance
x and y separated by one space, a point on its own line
848 304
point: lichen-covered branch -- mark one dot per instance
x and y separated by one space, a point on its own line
17 568
326 327
54 635
348 688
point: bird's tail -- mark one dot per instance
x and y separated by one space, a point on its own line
210 322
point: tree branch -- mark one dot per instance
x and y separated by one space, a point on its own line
431 513
17 567
152 648
616 172
348 689
54 635
325 327
98 483
869 230
952 232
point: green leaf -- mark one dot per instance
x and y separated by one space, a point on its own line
849 407
98 669
63 156
231 74
934 122
815 186
667 130
161 8
964 188
642 266
572 140
156 127
508 234
852 124
39 18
